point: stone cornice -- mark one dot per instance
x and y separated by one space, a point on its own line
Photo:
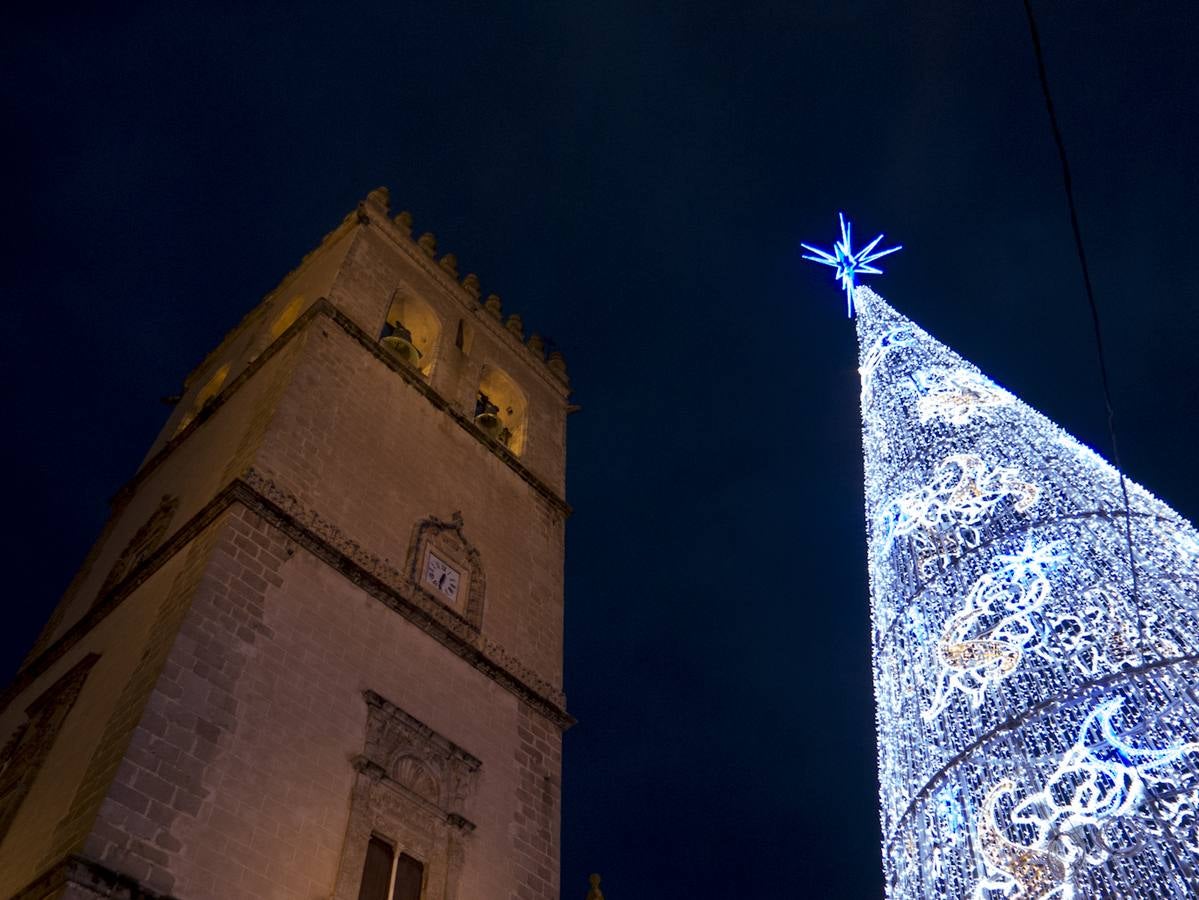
326 542
395 589
323 307
97 879
466 423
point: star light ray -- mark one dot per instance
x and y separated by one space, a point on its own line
848 264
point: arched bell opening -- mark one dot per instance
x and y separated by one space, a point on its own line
287 316
410 332
206 395
501 409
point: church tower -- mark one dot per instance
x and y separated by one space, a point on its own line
317 650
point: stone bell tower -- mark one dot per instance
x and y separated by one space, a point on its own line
317 650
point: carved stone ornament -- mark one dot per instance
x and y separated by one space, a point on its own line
404 750
446 566
26 749
412 788
143 543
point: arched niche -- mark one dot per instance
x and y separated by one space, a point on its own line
499 399
142 545
205 396
410 319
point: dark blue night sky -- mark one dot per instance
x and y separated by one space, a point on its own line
634 179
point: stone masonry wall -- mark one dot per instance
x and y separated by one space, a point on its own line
312 279
374 456
382 262
535 831
210 752
131 641
203 462
238 778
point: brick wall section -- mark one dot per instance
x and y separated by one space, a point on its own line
535 825
217 762
313 278
56 809
237 781
381 262
106 758
190 709
199 467
365 263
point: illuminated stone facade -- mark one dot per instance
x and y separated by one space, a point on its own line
1037 718
325 616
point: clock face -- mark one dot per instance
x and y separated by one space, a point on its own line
441 576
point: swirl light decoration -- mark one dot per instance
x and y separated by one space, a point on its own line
1038 725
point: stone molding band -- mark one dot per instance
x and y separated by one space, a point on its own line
325 541
322 306
87 875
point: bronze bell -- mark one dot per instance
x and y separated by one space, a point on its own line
399 343
487 417
490 425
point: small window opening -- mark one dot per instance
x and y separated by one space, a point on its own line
386 877
409 878
460 338
376 874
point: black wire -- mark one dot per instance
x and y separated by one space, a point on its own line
1068 183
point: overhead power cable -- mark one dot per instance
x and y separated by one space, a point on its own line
1068 184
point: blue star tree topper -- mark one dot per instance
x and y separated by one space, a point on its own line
849 265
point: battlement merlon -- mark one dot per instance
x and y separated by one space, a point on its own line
320 266
375 273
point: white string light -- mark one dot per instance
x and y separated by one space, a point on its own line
1027 747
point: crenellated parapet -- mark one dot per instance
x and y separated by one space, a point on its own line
375 209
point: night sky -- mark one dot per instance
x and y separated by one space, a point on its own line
634 180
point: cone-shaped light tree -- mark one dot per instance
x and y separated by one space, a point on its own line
1038 715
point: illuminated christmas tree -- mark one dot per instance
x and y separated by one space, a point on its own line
1038 712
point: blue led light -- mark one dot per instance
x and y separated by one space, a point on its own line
849 265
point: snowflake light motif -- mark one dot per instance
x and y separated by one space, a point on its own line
849 265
